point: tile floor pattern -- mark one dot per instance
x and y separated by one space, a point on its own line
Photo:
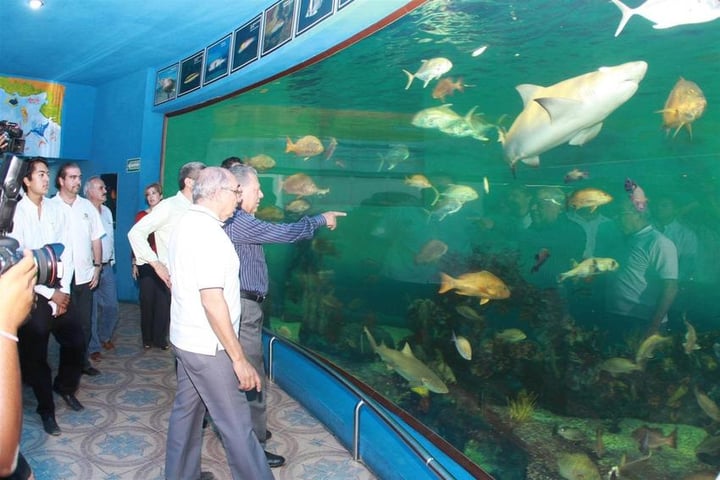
121 433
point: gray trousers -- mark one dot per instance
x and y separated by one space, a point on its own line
250 336
210 381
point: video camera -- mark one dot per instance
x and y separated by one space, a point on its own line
12 132
12 171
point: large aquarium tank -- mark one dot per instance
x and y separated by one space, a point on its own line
532 237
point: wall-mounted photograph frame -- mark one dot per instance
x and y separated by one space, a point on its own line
191 70
344 3
166 84
312 12
278 23
217 60
246 43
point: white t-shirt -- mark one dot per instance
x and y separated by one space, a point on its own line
161 221
201 256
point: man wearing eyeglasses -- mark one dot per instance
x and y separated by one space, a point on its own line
248 235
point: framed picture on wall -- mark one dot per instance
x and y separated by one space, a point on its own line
344 3
278 25
247 43
312 12
166 84
217 60
191 70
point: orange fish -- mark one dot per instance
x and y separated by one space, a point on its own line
446 87
481 284
308 146
685 104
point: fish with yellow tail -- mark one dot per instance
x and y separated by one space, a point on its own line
589 267
482 284
429 70
306 147
590 198
690 344
647 348
418 375
707 405
685 104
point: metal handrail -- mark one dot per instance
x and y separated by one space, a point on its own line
364 400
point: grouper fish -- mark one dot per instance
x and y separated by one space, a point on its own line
407 366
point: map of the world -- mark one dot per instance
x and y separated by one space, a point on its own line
37 109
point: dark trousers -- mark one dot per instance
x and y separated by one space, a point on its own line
250 337
81 302
33 348
154 307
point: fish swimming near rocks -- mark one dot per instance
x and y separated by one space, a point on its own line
647 348
707 405
589 198
571 111
577 466
618 365
429 70
670 13
463 346
306 147
302 185
482 284
690 343
511 335
685 104
653 438
570 433
407 366
589 267
469 313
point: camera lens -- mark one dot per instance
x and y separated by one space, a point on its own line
48 263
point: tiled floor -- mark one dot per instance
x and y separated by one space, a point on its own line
121 433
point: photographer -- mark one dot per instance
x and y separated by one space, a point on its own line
16 298
37 222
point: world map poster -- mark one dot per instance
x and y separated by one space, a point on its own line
36 107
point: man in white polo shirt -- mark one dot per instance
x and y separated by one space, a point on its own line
212 370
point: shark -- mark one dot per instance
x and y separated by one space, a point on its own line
571 111
670 13
407 366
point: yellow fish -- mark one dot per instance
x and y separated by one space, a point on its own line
685 104
481 284
588 267
648 347
690 344
511 335
261 162
616 365
589 198
308 146
421 181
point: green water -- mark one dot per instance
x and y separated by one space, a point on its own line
365 272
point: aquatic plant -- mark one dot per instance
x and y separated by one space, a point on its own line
522 408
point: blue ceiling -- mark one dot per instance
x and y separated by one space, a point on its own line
92 42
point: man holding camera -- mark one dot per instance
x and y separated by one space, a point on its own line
38 221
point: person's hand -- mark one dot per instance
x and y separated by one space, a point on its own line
3 143
331 218
247 375
162 272
96 278
62 300
134 271
16 293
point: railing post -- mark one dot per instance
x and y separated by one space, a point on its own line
356 430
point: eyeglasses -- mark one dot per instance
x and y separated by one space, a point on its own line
237 190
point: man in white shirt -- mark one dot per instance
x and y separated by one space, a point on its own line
37 222
85 230
105 302
212 370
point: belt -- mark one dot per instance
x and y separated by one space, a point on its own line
255 297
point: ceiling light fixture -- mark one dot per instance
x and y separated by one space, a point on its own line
36 4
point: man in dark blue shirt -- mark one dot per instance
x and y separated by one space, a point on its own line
248 234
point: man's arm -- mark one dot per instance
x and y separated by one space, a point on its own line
667 297
245 228
138 237
218 316
97 262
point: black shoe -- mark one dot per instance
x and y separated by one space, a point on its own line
70 399
207 476
50 425
92 371
273 460
268 435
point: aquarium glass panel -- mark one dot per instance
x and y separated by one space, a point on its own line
530 260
